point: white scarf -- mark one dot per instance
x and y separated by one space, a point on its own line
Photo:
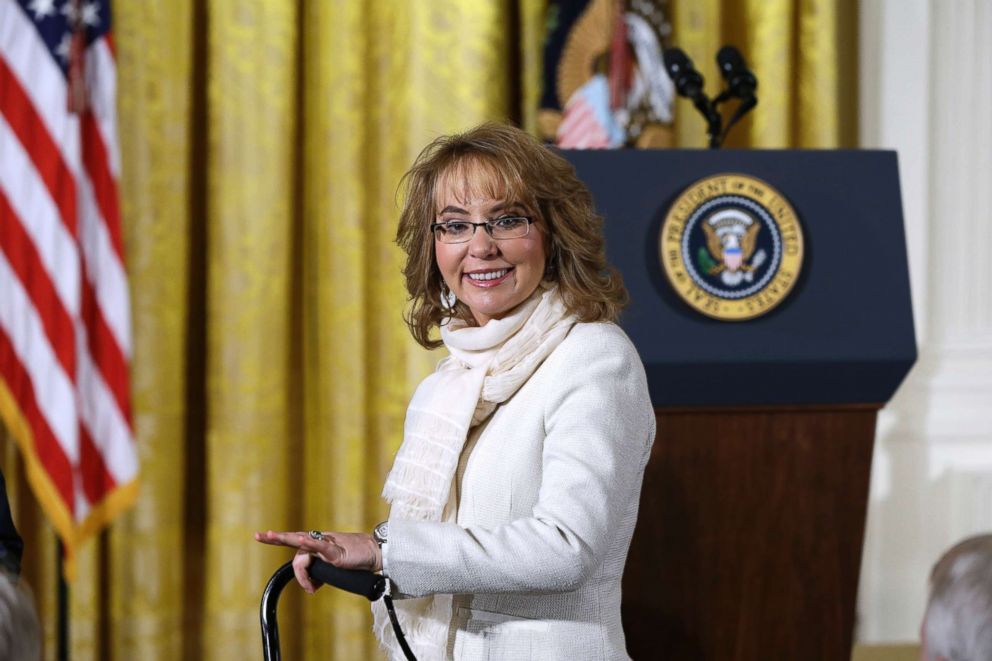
487 365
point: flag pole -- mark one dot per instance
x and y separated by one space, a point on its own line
63 605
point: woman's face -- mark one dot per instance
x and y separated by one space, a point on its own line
490 276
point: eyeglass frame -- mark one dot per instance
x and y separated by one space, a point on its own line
488 224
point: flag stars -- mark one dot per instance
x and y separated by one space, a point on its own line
64 47
91 14
70 12
42 9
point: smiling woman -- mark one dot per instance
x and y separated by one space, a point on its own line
514 494
493 271
516 175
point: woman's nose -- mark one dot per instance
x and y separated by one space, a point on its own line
482 245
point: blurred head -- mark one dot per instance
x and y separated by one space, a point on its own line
489 173
20 632
957 625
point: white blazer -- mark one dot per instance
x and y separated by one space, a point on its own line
547 493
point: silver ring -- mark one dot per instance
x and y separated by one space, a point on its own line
316 535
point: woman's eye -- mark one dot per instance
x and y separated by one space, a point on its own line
509 222
455 228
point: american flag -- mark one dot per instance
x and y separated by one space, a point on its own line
587 121
65 337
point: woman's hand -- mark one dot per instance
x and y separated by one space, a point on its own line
348 550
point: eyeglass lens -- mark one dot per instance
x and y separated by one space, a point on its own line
458 231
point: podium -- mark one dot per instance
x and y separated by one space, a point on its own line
749 537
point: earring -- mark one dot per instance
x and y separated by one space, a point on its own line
448 299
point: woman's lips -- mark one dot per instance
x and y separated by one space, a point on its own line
490 278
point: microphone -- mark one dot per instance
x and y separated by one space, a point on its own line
689 83
740 81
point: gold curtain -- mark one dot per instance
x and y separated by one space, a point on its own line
262 143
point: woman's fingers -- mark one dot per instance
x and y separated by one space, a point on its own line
290 539
341 549
346 550
327 549
301 563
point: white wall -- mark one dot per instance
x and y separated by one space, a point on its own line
926 91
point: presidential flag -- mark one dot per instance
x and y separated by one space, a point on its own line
65 337
604 81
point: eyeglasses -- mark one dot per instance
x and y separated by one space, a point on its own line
460 231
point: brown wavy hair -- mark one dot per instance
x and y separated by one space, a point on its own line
506 163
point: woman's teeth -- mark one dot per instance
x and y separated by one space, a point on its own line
491 275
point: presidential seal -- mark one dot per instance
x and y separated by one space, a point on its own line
731 247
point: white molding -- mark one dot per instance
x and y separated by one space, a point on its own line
960 277
894 81
925 91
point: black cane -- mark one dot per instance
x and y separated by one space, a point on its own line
369 585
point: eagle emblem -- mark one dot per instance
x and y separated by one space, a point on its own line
731 246
731 238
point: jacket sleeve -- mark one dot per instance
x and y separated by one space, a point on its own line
600 426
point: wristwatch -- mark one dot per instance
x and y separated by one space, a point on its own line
380 533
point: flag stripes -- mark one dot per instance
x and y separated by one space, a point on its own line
65 339
26 125
33 362
28 267
46 449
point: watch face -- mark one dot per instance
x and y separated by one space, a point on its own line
381 532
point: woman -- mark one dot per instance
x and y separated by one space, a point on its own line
515 491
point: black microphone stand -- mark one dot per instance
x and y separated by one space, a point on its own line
689 83
713 122
741 84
